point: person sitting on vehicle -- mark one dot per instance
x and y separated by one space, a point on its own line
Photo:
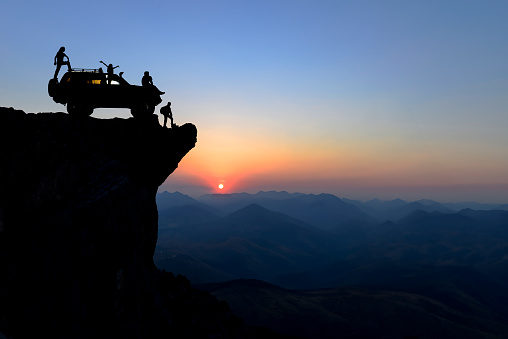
147 81
166 112
59 61
110 69
102 76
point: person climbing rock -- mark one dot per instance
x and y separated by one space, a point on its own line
167 113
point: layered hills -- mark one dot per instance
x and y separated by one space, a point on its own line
353 312
385 269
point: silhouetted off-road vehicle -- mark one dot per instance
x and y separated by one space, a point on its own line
83 90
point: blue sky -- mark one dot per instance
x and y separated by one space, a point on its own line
363 99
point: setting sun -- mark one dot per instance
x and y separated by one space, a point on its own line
221 186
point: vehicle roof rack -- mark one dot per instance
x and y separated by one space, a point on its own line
85 70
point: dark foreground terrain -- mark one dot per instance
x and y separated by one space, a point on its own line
354 312
78 229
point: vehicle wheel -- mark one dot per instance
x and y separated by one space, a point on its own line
135 111
71 108
79 110
87 111
52 87
142 110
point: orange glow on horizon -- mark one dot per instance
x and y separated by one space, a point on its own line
279 161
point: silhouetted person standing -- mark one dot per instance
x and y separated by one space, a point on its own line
166 112
59 61
147 81
110 71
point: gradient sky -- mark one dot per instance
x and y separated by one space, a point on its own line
362 99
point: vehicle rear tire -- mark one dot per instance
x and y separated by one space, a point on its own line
142 110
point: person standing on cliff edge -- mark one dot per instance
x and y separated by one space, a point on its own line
59 61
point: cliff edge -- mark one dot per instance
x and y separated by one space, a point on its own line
78 229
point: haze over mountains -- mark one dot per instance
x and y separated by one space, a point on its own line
447 255
324 211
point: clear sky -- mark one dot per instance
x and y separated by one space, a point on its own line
362 99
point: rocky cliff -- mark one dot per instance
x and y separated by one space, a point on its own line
78 229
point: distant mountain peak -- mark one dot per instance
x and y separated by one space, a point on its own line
176 193
260 214
272 192
255 206
427 202
416 214
253 209
387 223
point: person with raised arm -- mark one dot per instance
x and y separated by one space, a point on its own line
110 71
59 61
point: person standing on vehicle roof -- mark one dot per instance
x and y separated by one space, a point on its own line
59 61
110 71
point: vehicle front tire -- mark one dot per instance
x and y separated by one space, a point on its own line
52 87
79 110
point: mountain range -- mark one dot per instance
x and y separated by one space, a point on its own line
322 210
430 260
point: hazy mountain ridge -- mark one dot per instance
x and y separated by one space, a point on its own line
321 210
453 261
468 237
251 242
185 215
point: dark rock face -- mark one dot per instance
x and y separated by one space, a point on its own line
78 229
